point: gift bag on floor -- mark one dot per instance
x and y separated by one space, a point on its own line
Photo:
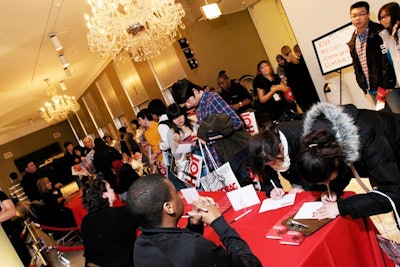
221 178
389 246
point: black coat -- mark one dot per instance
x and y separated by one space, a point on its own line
377 155
380 71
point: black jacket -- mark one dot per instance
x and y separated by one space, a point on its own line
380 71
108 237
292 130
173 247
371 141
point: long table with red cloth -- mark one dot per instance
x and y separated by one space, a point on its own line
341 242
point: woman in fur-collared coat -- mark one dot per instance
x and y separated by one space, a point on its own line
336 138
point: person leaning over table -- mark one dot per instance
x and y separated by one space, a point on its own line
335 137
158 207
274 151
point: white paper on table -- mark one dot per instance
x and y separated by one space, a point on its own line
307 210
243 197
273 204
190 194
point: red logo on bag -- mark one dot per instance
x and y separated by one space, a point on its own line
250 122
228 188
194 165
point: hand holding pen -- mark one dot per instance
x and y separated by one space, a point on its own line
276 193
328 196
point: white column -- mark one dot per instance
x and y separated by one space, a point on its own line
8 255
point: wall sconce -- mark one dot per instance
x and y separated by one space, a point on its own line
56 43
67 73
210 11
64 61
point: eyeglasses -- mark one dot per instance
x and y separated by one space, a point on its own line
384 17
356 15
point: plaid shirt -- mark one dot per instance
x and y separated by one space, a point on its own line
361 49
211 103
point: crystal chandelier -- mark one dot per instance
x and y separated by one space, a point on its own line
60 107
141 27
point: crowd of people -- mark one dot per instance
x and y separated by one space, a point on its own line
319 149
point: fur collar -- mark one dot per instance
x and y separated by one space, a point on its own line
342 127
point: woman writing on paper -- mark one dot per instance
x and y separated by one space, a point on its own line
336 138
274 151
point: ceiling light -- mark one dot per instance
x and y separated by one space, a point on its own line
63 86
210 11
59 107
67 73
64 61
142 28
57 45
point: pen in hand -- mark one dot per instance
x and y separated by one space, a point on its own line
275 187
329 192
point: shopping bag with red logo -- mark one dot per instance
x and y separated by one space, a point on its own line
221 178
249 119
188 169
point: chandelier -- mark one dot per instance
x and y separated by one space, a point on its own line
60 107
142 28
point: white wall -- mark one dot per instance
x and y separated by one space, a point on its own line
311 19
273 27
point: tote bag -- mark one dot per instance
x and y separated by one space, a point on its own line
221 178
390 247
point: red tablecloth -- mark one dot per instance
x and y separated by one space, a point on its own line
342 242
75 205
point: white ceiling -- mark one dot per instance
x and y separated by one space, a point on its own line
28 56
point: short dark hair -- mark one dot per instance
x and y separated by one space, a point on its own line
92 198
156 107
67 144
183 89
318 156
13 175
135 122
360 4
122 129
222 74
145 114
264 147
146 198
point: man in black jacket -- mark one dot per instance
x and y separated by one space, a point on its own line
371 65
158 207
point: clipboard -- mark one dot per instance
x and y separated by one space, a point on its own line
313 225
